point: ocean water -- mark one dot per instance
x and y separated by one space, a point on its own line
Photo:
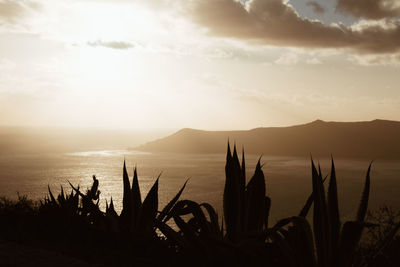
288 179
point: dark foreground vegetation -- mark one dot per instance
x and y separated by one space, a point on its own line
186 233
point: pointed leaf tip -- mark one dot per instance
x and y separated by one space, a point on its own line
313 165
228 153
259 163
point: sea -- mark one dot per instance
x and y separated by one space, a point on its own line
288 179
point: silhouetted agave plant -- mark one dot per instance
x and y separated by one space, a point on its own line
67 205
139 217
335 245
246 208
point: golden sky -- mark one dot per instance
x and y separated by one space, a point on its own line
208 64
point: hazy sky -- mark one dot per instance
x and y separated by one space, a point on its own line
209 64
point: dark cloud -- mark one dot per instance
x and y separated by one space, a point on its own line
273 22
370 9
112 44
11 10
316 7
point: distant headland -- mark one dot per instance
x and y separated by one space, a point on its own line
377 139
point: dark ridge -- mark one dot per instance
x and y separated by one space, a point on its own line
377 139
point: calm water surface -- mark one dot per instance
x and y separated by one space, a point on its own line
288 179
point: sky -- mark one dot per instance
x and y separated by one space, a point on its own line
206 64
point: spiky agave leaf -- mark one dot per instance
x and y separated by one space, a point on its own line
74 198
185 207
148 210
320 218
52 198
352 230
333 209
171 235
222 228
167 209
180 208
305 249
71 195
284 247
267 210
307 206
279 224
111 208
241 185
255 198
77 190
126 213
231 198
198 216
362 208
61 197
242 192
110 211
190 235
136 198
243 168
296 237
214 224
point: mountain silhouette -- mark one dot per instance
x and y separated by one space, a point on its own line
377 139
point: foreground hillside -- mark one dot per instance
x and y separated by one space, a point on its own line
375 139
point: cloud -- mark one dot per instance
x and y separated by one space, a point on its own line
288 59
275 22
369 60
111 44
370 9
313 61
316 7
12 10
